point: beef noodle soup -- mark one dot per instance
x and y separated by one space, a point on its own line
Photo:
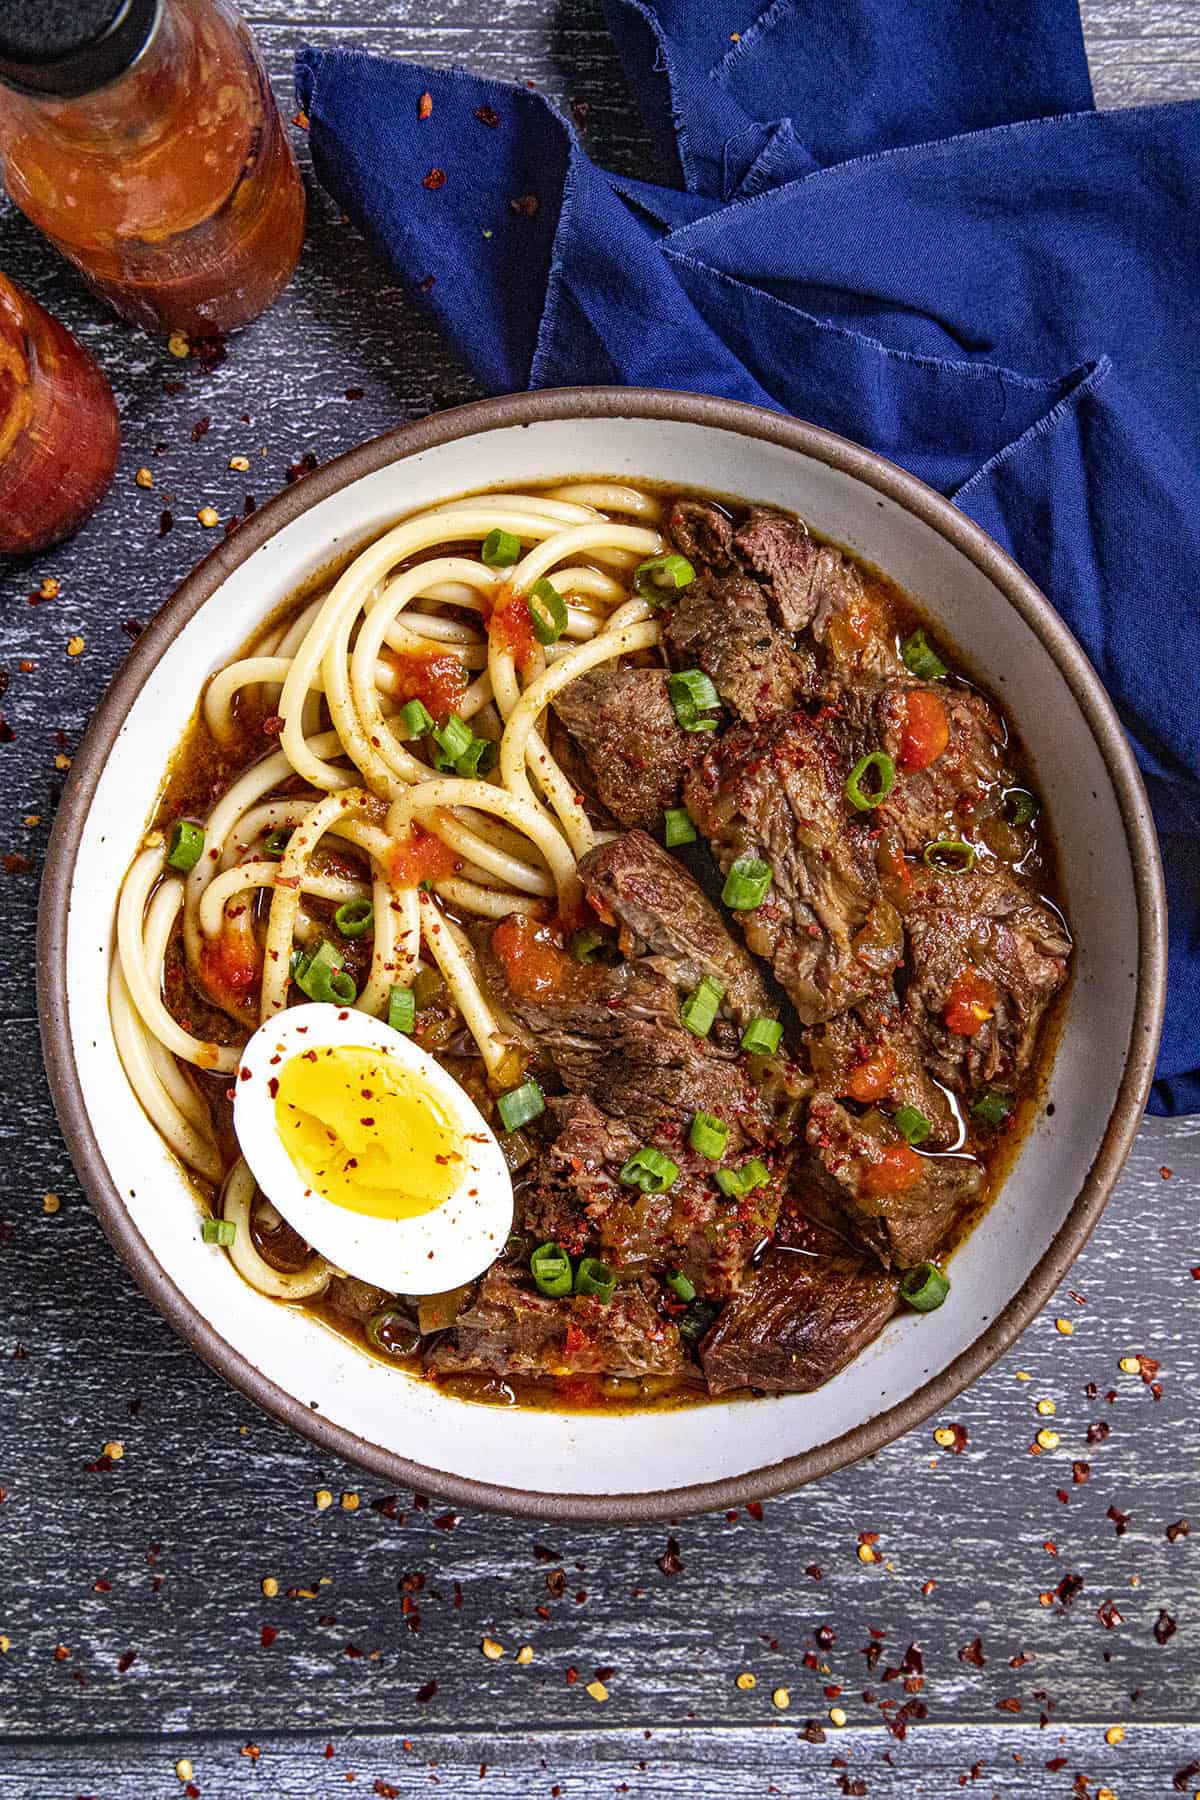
678 840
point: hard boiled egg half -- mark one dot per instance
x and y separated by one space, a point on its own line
371 1151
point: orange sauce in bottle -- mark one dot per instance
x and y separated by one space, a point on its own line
59 434
172 188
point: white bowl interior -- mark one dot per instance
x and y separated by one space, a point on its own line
541 1451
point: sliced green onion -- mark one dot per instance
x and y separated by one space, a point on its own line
649 1170
924 1287
521 1104
322 977
709 1136
501 549
681 1286
186 846
882 771
762 1037
453 739
662 573
416 718
276 842
678 827
551 1270
402 1009
393 1332
219 1231
950 855
693 697
354 918
747 884
992 1108
595 1277
699 1010
912 1124
586 945
479 756
547 612
1020 806
733 1183
921 658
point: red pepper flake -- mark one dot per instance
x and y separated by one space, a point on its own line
815 1572
670 1562
487 115
269 1634
435 179
525 205
353 1652
386 1504
572 1677
303 465
1110 1614
102 1587
272 725
1165 1628
1081 1472
1166 1173
300 121
1098 1430
425 106
754 1508
1012 1704
15 863
166 519
1120 1520
1056 1763
126 1661
425 1694
1068 1588
973 1653
447 1521
542 1554
200 428
384 1789
1180 1529
355 393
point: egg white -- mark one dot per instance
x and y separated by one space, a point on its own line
438 1249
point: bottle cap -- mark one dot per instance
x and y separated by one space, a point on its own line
64 48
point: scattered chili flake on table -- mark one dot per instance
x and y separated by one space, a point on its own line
1110 1614
1081 1472
300 120
1180 1529
670 1562
525 205
1165 1627
1120 1520
435 179
487 115
425 106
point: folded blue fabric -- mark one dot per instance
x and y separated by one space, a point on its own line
900 219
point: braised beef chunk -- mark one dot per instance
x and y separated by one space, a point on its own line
948 748
857 642
825 927
721 624
578 1200
512 1329
635 751
987 956
801 576
875 1053
703 533
898 1203
667 919
808 1310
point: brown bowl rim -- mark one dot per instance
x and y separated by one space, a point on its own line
527 409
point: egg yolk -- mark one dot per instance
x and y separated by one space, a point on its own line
367 1136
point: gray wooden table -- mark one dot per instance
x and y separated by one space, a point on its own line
1031 1623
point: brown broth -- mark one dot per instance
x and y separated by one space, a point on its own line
201 770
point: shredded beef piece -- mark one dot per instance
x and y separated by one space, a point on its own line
512 1329
994 928
943 799
636 752
721 625
800 575
669 922
807 1311
702 532
903 1228
825 927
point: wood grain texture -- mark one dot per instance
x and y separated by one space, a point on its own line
160 1557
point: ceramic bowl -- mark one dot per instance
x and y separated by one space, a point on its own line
627 1465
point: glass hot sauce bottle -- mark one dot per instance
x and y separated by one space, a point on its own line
59 434
142 137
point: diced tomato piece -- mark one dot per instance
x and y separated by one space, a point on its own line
536 966
509 624
228 969
421 857
898 1170
970 1002
872 1079
926 730
436 678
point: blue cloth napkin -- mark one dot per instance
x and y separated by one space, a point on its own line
900 219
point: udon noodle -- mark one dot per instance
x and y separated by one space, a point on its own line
344 770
